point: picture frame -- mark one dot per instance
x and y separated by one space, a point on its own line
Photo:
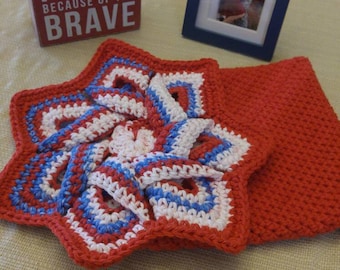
228 25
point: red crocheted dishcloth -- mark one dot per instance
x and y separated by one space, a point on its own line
297 193
135 148
140 152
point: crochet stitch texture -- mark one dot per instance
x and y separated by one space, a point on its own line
297 193
139 152
133 149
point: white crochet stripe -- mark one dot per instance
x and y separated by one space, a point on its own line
126 144
132 74
177 172
173 109
123 105
99 153
119 194
218 217
97 125
99 213
196 79
188 134
101 247
232 156
45 186
48 123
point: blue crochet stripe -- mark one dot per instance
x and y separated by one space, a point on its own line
32 112
35 190
125 172
159 193
110 228
126 89
212 155
173 135
111 164
120 61
43 163
48 143
159 105
65 195
192 97
151 160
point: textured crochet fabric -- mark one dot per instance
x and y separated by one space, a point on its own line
133 149
297 193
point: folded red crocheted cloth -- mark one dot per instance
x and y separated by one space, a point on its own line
297 193
138 151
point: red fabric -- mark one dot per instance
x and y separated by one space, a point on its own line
48 180
297 192
280 108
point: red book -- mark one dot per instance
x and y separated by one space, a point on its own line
60 21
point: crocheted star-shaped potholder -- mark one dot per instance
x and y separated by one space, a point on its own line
129 151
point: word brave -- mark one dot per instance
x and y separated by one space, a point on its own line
92 20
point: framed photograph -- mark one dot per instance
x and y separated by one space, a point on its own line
250 27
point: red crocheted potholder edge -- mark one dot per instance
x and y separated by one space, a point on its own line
232 239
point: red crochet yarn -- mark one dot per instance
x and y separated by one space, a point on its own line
135 148
140 152
297 193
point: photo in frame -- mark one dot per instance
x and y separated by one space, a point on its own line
249 27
